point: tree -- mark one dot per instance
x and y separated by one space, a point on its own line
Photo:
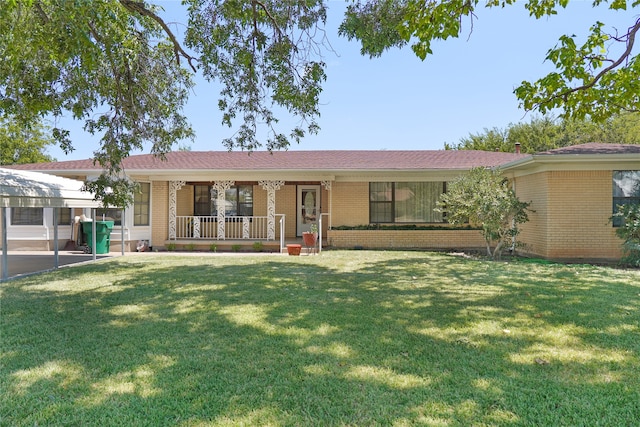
596 79
629 231
484 198
547 133
118 67
20 145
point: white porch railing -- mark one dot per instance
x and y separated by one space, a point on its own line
236 227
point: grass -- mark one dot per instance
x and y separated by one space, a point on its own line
345 338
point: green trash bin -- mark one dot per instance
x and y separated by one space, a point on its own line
103 235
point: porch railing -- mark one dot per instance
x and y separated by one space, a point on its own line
236 228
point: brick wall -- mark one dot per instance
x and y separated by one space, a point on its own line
184 200
580 206
260 201
160 214
533 188
573 220
392 239
286 204
350 203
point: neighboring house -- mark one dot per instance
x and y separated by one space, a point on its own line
229 198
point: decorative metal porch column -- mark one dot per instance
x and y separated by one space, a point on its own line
221 187
271 187
174 186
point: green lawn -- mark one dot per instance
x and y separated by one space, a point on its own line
345 338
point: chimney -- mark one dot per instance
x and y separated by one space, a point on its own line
517 148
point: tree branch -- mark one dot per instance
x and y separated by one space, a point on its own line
269 15
140 8
631 36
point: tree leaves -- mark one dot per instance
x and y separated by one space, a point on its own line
263 54
546 133
484 197
595 79
19 144
101 63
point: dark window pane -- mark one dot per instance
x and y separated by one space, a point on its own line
141 205
626 190
238 201
114 215
380 191
381 212
202 203
26 216
64 216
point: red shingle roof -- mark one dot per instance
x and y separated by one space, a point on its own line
298 160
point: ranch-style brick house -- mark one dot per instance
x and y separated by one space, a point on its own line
359 199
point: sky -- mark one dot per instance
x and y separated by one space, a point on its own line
398 101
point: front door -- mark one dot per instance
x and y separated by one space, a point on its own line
308 207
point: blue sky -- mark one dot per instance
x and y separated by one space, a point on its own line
400 102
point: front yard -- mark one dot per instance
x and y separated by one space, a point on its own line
344 338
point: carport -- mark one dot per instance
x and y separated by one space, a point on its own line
38 190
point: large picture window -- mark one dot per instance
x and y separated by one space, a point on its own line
238 201
26 216
405 202
626 190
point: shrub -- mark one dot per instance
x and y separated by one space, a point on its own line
213 247
190 247
484 197
235 248
629 231
258 246
171 247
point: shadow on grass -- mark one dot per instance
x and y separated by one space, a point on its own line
390 339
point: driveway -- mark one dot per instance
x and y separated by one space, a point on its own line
26 262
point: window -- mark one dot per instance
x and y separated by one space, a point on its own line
64 216
26 216
626 189
114 215
141 204
405 202
238 201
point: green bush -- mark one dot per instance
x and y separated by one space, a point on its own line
190 247
629 231
213 247
484 197
235 248
171 247
258 246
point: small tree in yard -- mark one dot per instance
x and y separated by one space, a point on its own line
484 198
630 232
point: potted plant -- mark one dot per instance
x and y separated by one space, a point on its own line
310 238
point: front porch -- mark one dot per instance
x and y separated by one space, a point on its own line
237 234
241 215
